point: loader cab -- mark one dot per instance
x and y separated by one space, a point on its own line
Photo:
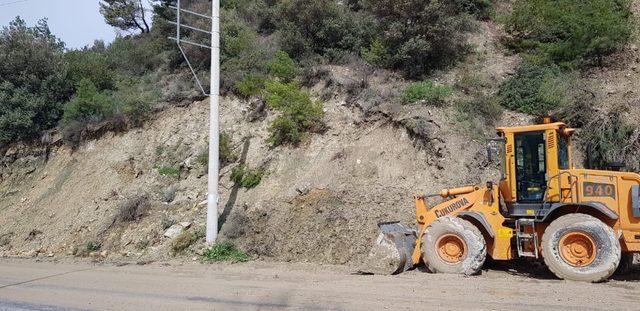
533 156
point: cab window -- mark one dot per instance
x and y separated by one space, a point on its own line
531 166
563 152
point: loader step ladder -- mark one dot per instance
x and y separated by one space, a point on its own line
524 236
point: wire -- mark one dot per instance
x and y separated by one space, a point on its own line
14 2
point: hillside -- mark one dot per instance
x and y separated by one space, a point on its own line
319 200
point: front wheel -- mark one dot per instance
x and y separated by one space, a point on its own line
453 245
580 247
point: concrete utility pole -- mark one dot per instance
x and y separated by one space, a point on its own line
214 100
214 128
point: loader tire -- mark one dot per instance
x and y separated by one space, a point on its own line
580 247
453 245
626 265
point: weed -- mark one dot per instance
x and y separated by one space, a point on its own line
169 171
183 241
133 209
426 91
246 177
167 222
475 115
142 244
92 246
224 251
169 194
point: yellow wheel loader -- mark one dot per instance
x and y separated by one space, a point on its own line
583 223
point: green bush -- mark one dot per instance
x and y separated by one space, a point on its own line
251 85
282 67
224 251
248 178
376 54
33 85
427 91
91 65
421 36
235 36
571 32
92 246
299 113
137 55
89 104
325 27
535 89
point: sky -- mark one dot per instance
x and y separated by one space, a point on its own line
77 22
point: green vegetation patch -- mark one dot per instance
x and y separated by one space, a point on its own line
299 114
571 32
169 171
536 89
247 177
426 91
224 251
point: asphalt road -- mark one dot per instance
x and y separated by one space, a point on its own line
31 285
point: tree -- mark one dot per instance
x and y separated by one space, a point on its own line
33 82
125 14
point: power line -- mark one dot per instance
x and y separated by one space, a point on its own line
14 2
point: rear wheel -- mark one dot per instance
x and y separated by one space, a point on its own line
580 247
453 245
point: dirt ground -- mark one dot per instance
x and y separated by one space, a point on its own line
30 285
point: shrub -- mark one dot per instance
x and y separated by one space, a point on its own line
235 36
246 177
376 54
325 27
571 31
421 36
299 114
91 65
224 251
136 98
427 91
609 138
169 194
251 85
475 115
137 55
183 241
92 246
89 104
282 67
133 209
535 89
227 155
169 171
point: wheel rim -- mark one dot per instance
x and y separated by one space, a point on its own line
577 248
451 248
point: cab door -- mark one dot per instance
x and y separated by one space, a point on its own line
530 166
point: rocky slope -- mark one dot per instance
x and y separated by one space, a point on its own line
318 202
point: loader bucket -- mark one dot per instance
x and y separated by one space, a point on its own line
391 252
